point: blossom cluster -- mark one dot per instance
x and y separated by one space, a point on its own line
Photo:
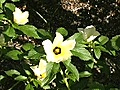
59 50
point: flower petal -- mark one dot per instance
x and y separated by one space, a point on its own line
58 39
89 30
20 17
42 66
47 44
36 70
69 44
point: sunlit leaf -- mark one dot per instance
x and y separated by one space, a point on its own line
10 6
84 74
82 53
2 1
20 78
33 54
27 72
116 42
103 40
28 30
12 72
62 31
1 77
10 32
73 70
29 87
14 54
97 52
52 69
44 34
2 16
28 46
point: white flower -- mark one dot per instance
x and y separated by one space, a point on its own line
20 17
59 50
40 70
90 33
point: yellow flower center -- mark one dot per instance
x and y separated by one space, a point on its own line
57 50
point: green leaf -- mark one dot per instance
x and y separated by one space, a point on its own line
33 54
29 87
20 78
116 42
28 46
78 37
15 0
14 54
2 1
62 31
27 72
56 68
36 83
90 64
2 16
28 30
73 70
1 11
1 77
44 34
10 32
97 52
10 6
103 49
12 72
103 40
82 53
52 69
84 74
9 9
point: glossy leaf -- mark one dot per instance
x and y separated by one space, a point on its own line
44 34
2 16
20 78
116 42
28 30
82 53
73 70
97 52
103 40
1 77
2 1
12 72
28 46
62 31
10 32
33 54
27 72
52 69
14 54
29 87
84 74
10 6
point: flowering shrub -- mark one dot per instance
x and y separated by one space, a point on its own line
50 65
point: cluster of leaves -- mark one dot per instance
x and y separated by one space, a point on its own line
29 53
